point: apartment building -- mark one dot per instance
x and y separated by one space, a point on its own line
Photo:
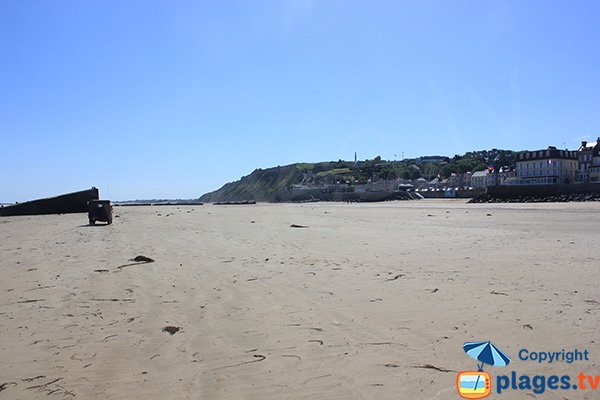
549 166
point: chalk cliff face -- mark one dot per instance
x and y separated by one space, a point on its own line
260 185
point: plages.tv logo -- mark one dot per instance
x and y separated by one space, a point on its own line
478 384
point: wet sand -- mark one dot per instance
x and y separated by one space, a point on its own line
364 301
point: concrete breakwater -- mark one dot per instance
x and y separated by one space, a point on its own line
559 198
324 195
540 193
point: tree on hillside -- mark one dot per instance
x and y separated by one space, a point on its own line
415 174
480 167
465 165
430 170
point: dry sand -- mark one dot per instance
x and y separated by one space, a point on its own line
360 304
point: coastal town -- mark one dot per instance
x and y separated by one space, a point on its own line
560 170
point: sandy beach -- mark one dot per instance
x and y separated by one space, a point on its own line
364 301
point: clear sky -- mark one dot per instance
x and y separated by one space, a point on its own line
171 99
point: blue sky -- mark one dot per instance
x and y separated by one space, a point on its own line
171 99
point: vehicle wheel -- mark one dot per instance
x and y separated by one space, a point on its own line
92 222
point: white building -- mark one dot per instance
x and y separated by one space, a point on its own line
479 179
500 176
545 167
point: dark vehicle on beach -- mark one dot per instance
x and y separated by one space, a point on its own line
100 210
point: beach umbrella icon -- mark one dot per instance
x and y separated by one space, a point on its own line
487 353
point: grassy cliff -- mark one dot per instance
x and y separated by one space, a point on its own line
260 185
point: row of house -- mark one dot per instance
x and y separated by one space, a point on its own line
473 180
554 166
548 166
539 167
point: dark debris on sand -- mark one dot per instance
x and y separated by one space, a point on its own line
171 329
143 259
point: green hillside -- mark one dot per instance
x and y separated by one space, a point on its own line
260 185
267 184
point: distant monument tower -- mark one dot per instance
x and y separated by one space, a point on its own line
354 157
